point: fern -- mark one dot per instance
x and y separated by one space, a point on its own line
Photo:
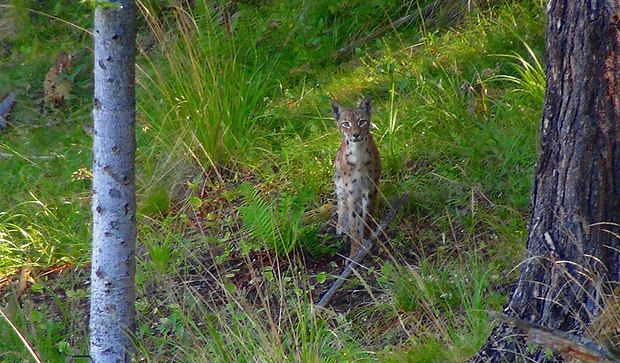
276 224
257 215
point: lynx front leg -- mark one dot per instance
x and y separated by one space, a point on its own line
343 218
357 229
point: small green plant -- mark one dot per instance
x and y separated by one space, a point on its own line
531 75
278 225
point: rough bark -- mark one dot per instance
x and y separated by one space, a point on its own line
112 314
571 254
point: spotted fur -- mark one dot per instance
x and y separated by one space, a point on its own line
357 173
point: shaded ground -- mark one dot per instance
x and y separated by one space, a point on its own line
210 270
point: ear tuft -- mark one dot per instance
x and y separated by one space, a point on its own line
336 109
365 105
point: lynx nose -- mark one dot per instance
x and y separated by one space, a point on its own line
356 135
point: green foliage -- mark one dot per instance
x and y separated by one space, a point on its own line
44 154
245 106
155 203
304 35
241 335
278 225
52 237
259 217
213 318
423 350
531 75
49 325
202 95
25 31
451 301
42 224
17 244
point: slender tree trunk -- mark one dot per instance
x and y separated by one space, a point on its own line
571 251
112 313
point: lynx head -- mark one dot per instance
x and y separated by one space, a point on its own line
353 123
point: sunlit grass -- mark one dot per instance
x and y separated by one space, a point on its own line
236 145
199 94
531 75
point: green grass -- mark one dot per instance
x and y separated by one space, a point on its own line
203 87
190 327
236 144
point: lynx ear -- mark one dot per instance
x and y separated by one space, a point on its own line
365 105
336 109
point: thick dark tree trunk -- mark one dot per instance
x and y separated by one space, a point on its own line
572 253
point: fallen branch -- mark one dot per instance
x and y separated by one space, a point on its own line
5 107
34 157
377 234
569 345
7 103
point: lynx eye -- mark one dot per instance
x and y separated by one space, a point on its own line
346 124
362 122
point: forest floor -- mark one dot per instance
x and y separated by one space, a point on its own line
235 159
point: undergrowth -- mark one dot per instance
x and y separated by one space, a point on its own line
202 89
236 145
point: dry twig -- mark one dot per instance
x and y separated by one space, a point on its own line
377 234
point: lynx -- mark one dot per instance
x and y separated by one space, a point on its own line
357 172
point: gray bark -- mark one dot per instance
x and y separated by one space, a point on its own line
572 254
112 312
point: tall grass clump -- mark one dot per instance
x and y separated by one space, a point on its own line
203 91
531 75
16 243
49 236
241 334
